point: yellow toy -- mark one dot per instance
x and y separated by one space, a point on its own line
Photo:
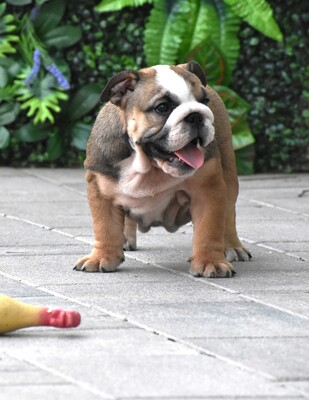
16 315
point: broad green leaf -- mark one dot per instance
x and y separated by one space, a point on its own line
49 16
40 2
8 113
197 27
2 8
62 36
115 5
30 133
212 21
55 146
212 61
19 2
223 28
236 106
83 101
80 135
244 160
3 77
259 14
10 66
4 137
242 136
164 31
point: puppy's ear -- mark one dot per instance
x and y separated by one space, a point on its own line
118 86
196 69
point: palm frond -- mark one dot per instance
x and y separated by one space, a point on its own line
164 31
115 5
258 14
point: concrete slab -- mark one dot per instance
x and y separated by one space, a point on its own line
151 330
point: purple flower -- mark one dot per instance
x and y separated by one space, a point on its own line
34 12
55 71
35 69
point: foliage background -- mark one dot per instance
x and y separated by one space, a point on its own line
270 76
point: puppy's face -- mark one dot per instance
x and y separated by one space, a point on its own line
167 118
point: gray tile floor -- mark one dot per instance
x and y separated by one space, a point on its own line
151 331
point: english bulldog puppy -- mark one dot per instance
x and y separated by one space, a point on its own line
160 154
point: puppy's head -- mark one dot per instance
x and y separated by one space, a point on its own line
166 116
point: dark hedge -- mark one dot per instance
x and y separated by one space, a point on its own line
272 78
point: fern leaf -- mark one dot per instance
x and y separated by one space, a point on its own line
213 21
258 14
197 30
213 62
115 5
223 30
164 31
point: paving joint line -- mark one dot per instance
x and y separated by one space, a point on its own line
52 181
270 205
188 276
63 376
118 316
122 317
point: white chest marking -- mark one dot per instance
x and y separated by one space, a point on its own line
173 83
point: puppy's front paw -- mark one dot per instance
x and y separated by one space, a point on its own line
211 269
99 261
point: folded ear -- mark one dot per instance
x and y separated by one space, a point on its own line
196 69
118 86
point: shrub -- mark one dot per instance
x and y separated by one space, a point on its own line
56 56
54 63
272 78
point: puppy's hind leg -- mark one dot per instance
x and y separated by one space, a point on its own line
129 234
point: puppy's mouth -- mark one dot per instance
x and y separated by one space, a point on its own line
190 155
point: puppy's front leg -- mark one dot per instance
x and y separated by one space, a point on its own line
208 207
108 224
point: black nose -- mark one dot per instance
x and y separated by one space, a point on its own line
194 118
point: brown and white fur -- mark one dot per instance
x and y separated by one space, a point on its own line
160 154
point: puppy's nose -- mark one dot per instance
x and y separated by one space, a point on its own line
194 118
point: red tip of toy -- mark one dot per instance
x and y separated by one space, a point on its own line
60 318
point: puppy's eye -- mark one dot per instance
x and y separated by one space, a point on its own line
163 108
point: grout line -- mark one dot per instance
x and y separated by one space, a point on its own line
88 387
218 286
52 181
275 249
123 317
186 275
184 342
270 205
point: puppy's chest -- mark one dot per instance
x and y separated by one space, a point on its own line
153 199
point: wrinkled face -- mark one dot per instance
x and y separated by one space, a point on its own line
168 119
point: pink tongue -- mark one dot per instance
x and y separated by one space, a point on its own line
191 155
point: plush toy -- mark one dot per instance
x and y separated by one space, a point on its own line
16 315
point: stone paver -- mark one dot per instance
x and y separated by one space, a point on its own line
151 331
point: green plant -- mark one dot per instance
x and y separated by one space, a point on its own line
7 27
34 80
64 56
207 31
273 78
